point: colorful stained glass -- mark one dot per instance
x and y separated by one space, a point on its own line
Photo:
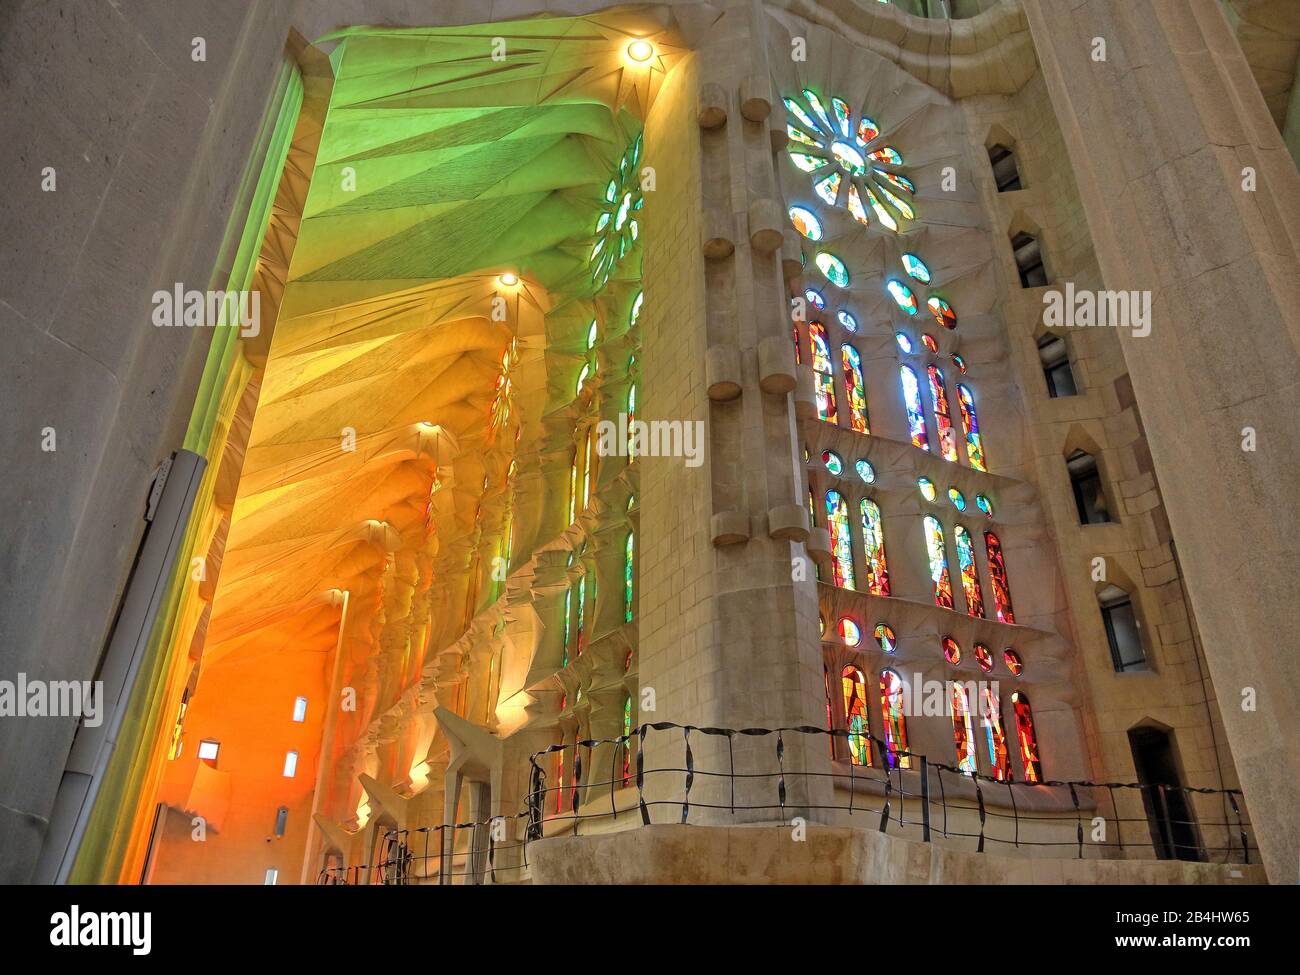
850 632
823 378
927 488
938 555
627 733
865 471
799 136
847 320
970 580
616 228
1013 662
1028 739
951 650
834 269
942 311
957 498
837 520
843 116
915 411
807 163
854 389
896 201
998 579
916 268
963 734
885 637
798 112
806 222
902 296
849 158
971 424
873 540
568 629
833 462
582 614
867 130
814 298
631 418
904 342
629 552
855 714
887 154
902 182
984 504
942 418
929 342
984 657
573 487
959 362
892 697
819 109
828 187
994 738
856 210
881 213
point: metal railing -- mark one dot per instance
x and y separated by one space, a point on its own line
901 791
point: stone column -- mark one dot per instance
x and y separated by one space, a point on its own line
1161 135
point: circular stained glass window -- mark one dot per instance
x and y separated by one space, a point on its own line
916 268
984 504
847 320
957 498
930 343
850 632
984 657
902 296
1013 661
943 313
806 222
885 637
834 269
951 652
865 471
927 488
849 158
904 342
833 463
814 298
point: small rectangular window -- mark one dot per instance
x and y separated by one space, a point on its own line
290 765
1089 495
1055 357
1126 652
208 750
300 709
272 877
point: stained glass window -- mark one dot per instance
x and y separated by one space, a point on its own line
892 694
959 362
915 411
1028 739
930 343
902 296
983 657
834 269
934 545
963 735
631 418
822 374
873 539
582 613
616 228
942 311
1013 662
837 519
916 269
847 320
587 469
970 580
970 422
833 462
904 341
573 487
885 637
627 745
865 471
629 553
942 419
855 714
951 650
927 489
836 151
854 390
994 738
568 629
998 579
850 632
984 504
957 498
814 298
805 221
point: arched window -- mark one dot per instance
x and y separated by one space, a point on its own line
970 580
938 554
971 424
1054 355
1028 740
1006 174
854 390
963 735
627 745
873 540
631 418
573 487
568 621
915 410
1089 494
582 612
998 579
994 737
586 469
823 377
855 715
837 519
942 418
895 725
629 552
1028 253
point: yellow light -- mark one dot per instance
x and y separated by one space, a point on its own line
640 51
508 278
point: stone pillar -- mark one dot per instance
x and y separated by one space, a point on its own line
1160 134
